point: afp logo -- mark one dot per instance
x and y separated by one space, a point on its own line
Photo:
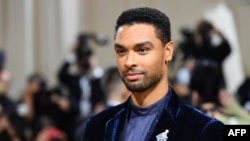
237 132
241 132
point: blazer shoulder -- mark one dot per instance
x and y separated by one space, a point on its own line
203 126
194 115
191 110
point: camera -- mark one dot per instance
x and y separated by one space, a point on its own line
84 50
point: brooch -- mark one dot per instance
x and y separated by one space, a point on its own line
162 136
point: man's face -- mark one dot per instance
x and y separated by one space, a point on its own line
141 57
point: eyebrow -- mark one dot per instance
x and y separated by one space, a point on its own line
118 46
136 45
144 44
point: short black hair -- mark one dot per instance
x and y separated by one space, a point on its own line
149 16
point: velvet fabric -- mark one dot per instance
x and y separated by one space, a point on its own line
184 122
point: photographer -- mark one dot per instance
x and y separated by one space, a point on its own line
211 45
83 88
205 43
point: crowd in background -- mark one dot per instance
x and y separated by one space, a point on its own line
58 113
200 80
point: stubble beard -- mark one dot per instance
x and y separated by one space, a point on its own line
149 80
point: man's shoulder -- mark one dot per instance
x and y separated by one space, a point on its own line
197 116
189 113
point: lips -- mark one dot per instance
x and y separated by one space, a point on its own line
132 76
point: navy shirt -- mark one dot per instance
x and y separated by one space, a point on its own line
141 120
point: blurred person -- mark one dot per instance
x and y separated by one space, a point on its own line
211 45
204 82
5 75
205 42
143 49
243 94
83 88
63 110
187 45
186 49
5 80
7 130
114 88
184 72
50 133
211 98
182 78
115 93
83 84
33 105
7 105
233 111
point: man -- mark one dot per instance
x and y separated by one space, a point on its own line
143 49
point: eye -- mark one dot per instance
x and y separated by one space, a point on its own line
120 51
142 50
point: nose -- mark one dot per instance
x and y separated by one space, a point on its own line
130 60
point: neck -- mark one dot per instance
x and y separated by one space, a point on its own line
150 96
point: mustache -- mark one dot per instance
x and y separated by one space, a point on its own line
131 70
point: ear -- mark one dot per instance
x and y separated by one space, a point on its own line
169 49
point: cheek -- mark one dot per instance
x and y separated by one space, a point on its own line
154 60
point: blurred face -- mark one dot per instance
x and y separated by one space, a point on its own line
33 86
141 57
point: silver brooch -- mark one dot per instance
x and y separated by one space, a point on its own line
162 136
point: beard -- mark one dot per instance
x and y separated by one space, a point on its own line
149 80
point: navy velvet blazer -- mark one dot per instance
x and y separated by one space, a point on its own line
185 123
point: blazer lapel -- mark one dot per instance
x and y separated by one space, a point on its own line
167 120
114 126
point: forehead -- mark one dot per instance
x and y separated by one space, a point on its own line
135 33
